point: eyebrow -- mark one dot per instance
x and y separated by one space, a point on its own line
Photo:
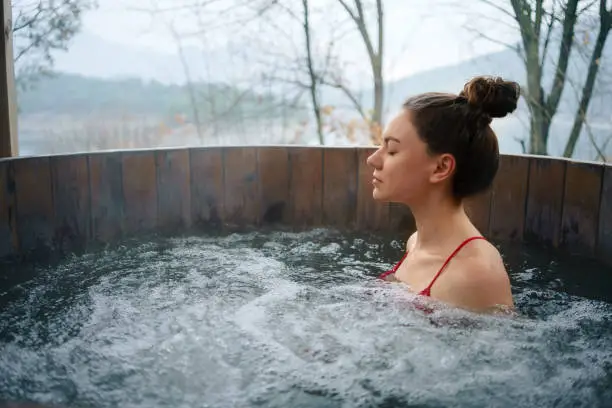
387 139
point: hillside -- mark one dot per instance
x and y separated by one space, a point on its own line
70 94
508 65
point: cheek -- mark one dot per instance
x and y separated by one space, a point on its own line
410 175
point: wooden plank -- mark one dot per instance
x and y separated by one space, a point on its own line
478 209
340 187
5 209
580 218
139 192
34 198
371 214
604 243
545 200
174 190
207 187
106 186
508 199
8 233
9 144
273 165
306 186
241 196
70 181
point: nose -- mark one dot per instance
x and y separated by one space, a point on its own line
374 159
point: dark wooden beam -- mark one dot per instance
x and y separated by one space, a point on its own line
8 93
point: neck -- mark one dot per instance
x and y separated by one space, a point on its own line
439 220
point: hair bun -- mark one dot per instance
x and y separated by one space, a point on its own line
492 95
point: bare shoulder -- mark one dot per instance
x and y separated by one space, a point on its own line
483 256
479 278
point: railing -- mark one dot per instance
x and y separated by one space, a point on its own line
66 202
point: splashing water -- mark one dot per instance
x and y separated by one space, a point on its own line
293 320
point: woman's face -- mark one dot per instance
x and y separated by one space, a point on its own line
403 169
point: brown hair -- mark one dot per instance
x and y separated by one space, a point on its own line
460 125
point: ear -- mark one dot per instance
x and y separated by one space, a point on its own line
444 168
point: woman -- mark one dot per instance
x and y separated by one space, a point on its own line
437 151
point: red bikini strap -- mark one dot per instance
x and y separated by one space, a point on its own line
427 290
394 269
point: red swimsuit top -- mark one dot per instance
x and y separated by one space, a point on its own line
427 290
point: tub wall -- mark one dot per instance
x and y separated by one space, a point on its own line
66 202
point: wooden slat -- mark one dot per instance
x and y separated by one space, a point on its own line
139 192
241 195
207 205
70 181
604 243
34 199
340 187
508 199
106 186
306 186
9 144
5 210
478 209
174 190
273 164
545 201
580 219
8 233
371 214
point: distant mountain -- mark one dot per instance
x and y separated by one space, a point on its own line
77 96
92 56
452 78
508 65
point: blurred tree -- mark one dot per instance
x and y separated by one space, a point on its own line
548 35
40 28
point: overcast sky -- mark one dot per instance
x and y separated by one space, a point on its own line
420 34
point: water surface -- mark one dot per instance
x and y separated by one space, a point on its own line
295 320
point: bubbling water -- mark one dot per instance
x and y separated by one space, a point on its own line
287 319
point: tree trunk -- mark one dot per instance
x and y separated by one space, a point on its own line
314 95
538 139
377 70
378 101
535 100
587 90
542 107
375 56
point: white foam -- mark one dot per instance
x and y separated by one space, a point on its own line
284 319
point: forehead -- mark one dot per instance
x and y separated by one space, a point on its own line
400 129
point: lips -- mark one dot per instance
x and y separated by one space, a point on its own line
376 179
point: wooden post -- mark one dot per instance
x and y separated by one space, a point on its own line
8 93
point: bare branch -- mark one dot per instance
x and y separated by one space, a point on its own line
479 34
567 38
538 18
176 7
349 94
549 29
499 8
349 11
587 7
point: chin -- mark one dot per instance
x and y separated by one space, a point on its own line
378 196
